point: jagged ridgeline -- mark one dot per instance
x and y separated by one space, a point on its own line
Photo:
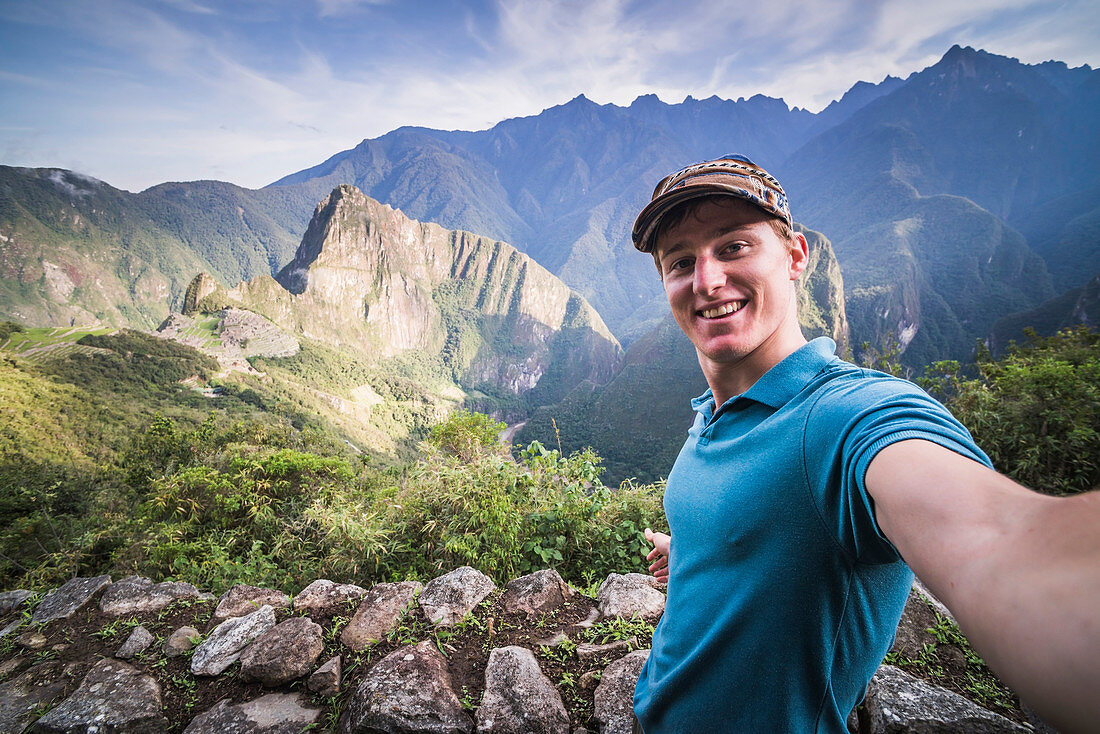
441 305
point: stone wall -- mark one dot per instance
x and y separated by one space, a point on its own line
456 654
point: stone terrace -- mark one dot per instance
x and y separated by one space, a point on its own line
454 655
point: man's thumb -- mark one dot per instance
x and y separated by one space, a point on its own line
649 534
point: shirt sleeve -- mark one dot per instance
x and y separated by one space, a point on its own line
844 433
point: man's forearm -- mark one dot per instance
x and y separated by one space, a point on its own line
1019 570
1030 605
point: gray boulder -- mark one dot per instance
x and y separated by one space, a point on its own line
326 679
137 594
614 697
224 645
537 593
62 602
284 653
274 713
10 627
409 690
22 696
379 612
180 641
243 599
587 652
9 600
589 680
113 697
138 642
629 595
898 703
518 698
323 597
447 599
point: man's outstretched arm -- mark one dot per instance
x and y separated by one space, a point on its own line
1019 570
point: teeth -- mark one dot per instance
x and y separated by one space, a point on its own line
713 313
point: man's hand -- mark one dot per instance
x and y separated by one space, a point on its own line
659 554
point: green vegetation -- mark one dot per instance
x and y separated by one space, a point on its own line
967 673
7 328
1036 411
109 464
39 343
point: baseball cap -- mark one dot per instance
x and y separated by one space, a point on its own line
730 175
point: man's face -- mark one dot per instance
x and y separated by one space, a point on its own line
729 281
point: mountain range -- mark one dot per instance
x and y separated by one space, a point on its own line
952 200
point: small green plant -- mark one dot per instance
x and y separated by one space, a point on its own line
561 652
408 632
467 700
470 622
116 627
619 628
333 632
333 706
186 686
43 655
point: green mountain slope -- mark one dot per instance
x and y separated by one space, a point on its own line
78 251
1076 307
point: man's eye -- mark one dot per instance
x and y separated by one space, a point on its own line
730 249
680 264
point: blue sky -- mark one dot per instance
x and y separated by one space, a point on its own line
140 92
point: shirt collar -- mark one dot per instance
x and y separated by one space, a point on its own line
783 381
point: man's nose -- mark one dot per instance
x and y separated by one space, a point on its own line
709 275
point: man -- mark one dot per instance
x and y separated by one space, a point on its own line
807 490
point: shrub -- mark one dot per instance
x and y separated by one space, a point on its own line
1036 411
464 435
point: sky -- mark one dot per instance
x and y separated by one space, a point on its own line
138 92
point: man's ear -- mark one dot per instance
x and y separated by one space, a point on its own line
799 253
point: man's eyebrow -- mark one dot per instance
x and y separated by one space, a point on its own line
677 246
713 234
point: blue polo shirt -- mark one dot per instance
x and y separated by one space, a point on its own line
783 594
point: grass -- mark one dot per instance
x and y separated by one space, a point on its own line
36 344
976 681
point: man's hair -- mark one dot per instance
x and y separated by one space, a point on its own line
680 212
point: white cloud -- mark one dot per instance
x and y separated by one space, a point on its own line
328 8
167 96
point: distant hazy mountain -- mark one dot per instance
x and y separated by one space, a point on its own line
471 309
563 186
1008 138
929 191
1077 306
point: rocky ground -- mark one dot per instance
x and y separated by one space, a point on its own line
453 655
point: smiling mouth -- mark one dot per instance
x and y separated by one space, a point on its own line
714 313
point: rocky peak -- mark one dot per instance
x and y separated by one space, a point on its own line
199 288
367 276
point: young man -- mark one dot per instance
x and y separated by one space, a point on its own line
807 490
